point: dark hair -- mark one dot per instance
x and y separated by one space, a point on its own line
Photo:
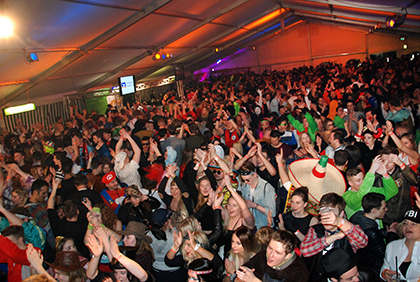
353 172
333 200
287 239
80 179
388 150
372 201
96 162
341 157
302 192
171 129
203 264
60 245
38 184
14 230
247 238
248 166
66 165
69 209
275 133
99 134
338 135
355 156
59 155
194 128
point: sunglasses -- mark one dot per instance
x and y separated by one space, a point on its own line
245 172
216 171
145 144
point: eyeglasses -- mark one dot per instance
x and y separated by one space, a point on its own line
283 124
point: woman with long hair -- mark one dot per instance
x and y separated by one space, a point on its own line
178 201
203 210
306 146
244 247
19 197
298 220
235 215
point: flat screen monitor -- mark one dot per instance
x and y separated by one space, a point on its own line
127 84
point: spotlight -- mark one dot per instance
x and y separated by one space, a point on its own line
159 56
395 20
6 27
218 61
405 46
31 57
215 49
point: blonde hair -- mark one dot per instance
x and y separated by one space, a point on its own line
263 237
202 239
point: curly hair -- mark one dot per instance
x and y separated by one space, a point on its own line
109 217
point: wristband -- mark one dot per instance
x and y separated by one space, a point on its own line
229 118
341 224
246 157
90 208
218 119
118 256
8 177
174 251
297 232
402 166
281 164
197 246
386 175
217 207
392 133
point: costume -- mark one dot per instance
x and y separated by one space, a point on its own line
17 263
354 198
129 174
399 249
293 270
112 197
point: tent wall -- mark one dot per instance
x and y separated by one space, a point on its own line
312 44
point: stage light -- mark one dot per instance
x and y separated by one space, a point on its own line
31 57
405 46
402 38
218 61
159 56
215 49
19 109
395 20
6 27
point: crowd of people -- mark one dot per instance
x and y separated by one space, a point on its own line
302 175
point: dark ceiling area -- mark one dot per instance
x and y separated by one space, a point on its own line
85 45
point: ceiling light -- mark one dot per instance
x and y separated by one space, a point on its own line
19 109
395 20
31 57
6 27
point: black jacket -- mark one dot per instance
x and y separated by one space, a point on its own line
373 254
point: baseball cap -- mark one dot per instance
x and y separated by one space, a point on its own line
107 178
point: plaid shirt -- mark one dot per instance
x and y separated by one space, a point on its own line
312 245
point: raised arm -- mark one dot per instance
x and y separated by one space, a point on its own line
51 199
36 258
129 264
413 154
270 168
246 213
12 218
136 149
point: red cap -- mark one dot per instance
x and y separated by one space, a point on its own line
107 178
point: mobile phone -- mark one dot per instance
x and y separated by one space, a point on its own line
84 200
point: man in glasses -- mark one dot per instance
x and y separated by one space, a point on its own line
286 136
145 152
258 193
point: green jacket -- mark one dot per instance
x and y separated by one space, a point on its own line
354 199
339 122
312 129
33 233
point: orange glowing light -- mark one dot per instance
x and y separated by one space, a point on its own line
264 19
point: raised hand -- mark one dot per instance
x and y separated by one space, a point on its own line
95 246
177 239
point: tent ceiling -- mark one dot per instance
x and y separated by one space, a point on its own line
85 45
